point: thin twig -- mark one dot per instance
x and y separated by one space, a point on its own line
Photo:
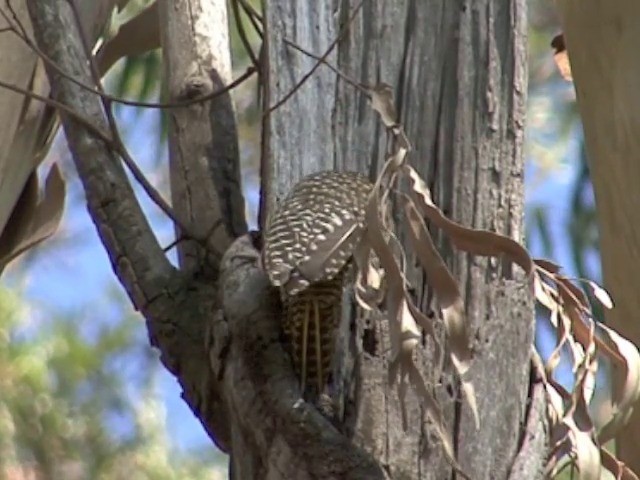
137 173
175 242
167 105
266 179
243 34
250 10
59 106
15 18
349 80
321 60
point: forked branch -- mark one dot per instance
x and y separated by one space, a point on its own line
134 251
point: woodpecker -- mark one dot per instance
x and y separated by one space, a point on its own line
308 245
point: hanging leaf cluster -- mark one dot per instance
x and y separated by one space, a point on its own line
382 275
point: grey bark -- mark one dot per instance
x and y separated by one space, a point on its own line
203 146
235 375
459 74
178 308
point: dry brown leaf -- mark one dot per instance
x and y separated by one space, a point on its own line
402 314
561 322
601 295
444 285
626 380
619 470
449 300
29 125
587 452
135 37
547 265
368 287
576 295
556 395
545 294
18 114
382 102
583 332
35 219
572 431
375 237
476 242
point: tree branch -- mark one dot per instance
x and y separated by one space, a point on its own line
289 438
135 254
177 308
203 145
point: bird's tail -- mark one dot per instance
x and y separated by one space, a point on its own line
312 318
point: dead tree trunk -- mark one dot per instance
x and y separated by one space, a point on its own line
458 70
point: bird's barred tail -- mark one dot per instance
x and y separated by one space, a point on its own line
312 318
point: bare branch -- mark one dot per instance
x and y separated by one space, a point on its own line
177 309
134 251
243 34
322 59
203 144
264 99
18 29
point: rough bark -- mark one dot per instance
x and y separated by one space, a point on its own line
178 308
602 40
232 367
203 146
275 434
459 74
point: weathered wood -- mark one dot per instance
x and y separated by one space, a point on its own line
203 148
178 309
458 70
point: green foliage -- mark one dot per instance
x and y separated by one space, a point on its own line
61 396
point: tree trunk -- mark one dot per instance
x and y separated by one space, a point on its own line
458 70
602 41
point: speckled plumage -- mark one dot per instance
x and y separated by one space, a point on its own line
307 244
